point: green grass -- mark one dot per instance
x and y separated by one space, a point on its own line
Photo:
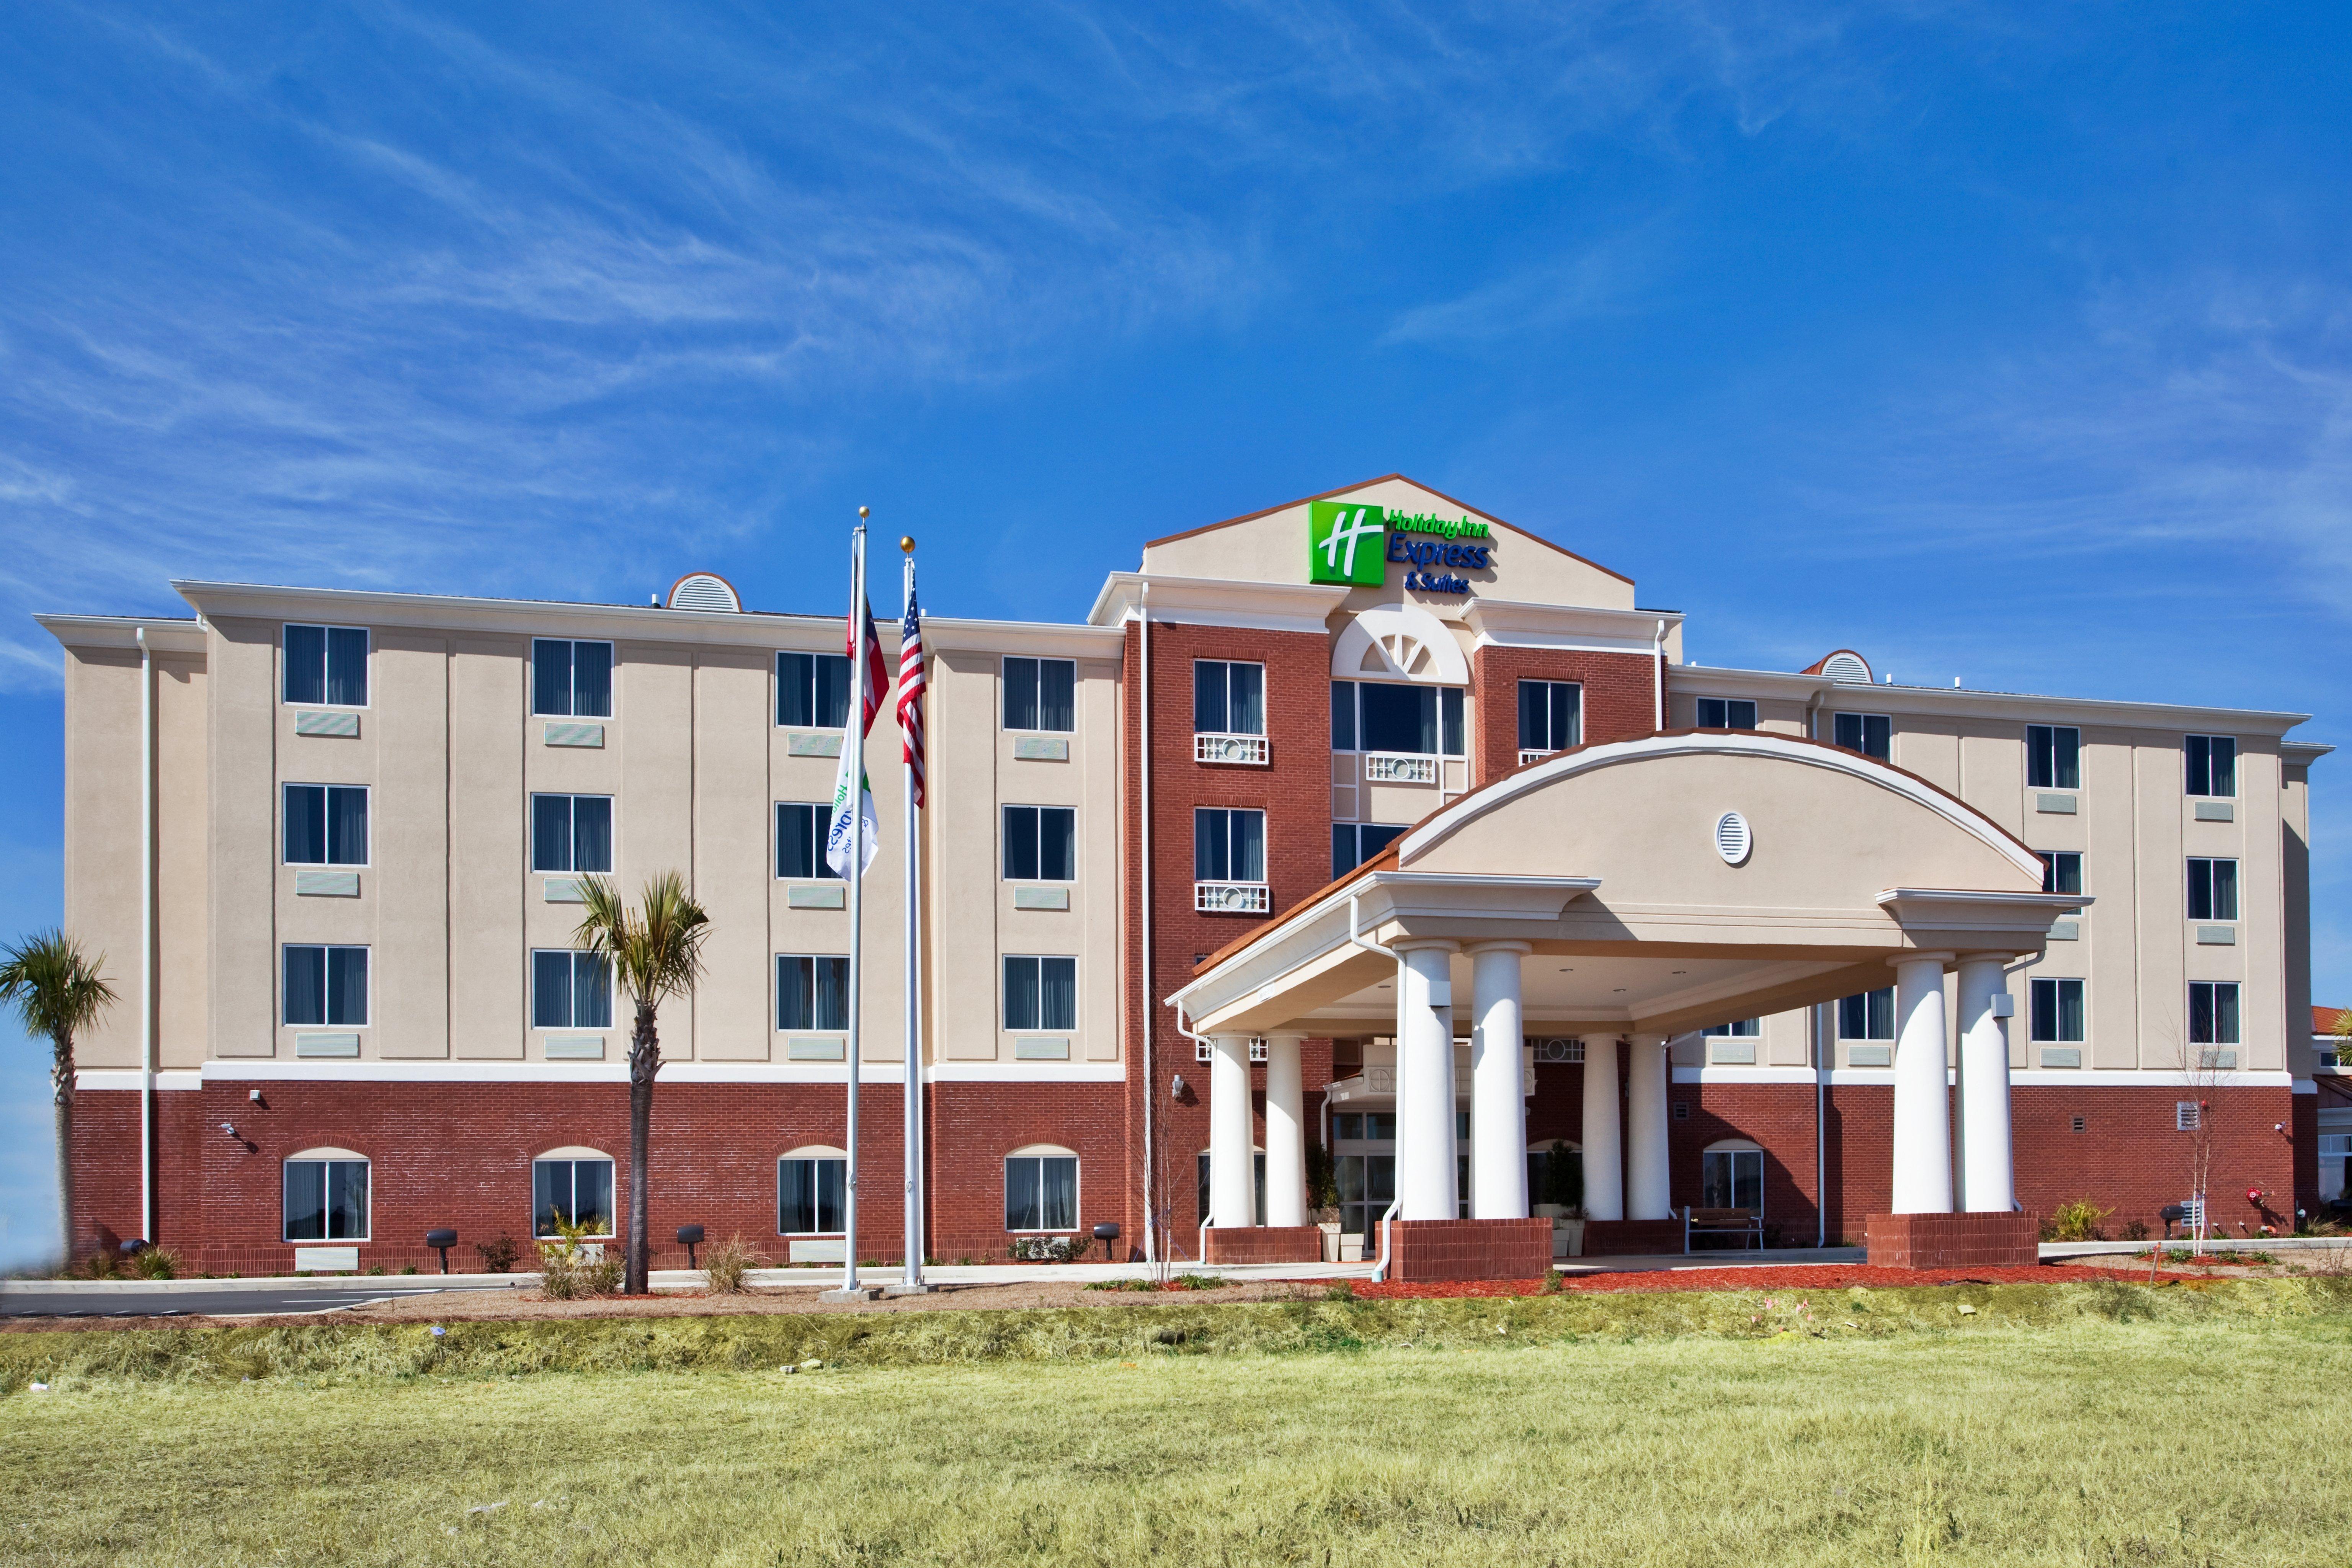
2083 1425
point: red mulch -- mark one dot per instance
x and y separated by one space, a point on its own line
1787 1277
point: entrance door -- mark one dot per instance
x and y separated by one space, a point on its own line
1363 1155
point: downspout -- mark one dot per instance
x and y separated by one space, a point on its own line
1658 654
1149 1014
146 939
1822 1052
1202 1254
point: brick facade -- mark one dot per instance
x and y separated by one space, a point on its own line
1621 695
1469 1248
1953 1240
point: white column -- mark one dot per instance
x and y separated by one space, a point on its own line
1232 1181
1498 1106
1424 1090
1987 1174
1649 1185
1285 1134
1923 1107
1604 1161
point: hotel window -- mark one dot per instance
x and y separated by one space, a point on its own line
1041 694
1551 715
2061 871
1731 1177
1041 844
1725 713
327 666
570 990
1201 1173
1040 1190
326 986
2213 1014
576 1187
1041 993
1227 699
571 679
2212 765
812 690
812 992
810 1186
326 825
1388 716
326 1197
2057 1009
572 833
1353 843
1228 846
2053 756
1872 734
1869 1015
1737 1029
2213 889
799 841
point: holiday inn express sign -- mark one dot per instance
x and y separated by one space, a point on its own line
1350 543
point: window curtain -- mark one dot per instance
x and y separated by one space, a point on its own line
306 825
1020 1207
346 666
1248 829
305 1200
347 1200
550 675
347 985
592 833
1057 998
1208 705
591 991
551 990
306 984
1056 694
1021 993
551 833
347 827
592 679
1059 1203
809 1196
306 664
1021 843
1057 843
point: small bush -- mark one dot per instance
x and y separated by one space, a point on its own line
2077 1221
2137 1230
1051 1248
498 1256
102 1265
1342 1291
728 1262
155 1263
569 1270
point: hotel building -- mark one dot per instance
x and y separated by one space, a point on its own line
1367 846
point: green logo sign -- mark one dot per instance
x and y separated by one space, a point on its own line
1344 544
1350 543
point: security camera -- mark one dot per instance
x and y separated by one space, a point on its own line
229 1128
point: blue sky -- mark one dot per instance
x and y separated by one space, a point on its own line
2008 343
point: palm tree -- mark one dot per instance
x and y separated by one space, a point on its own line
655 951
58 992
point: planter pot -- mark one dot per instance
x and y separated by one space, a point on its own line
1567 1237
1330 1229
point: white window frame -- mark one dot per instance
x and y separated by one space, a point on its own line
1838 1019
2213 1010
327 1157
2188 785
776 1002
1355 697
812 1154
285 815
820 814
2212 887
1736 1029
776 670
1518 717
2058 1010
1863 721
572 696
1004 699
367 1001
2053 732
575 1158
1005 995
1042 1151
1004 845
572 838
1729 707
1355 830
2050 878
367 666
576 955
1228 666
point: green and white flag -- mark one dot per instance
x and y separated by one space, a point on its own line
851 774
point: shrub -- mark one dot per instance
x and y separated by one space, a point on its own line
1050 1248
567 1268
155 1263
728 1262
1342 1291
102 1264
2137 1230
2077 1221
498 1256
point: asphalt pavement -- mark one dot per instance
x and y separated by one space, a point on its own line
29 1300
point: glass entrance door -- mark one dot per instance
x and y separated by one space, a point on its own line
1363 1157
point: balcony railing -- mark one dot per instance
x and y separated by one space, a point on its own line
1526 756
1234 750
1230 898
1394 767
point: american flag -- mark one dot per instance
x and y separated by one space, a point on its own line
910 687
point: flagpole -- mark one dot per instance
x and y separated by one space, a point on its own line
913 1283
853 738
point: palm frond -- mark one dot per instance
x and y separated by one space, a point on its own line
656 950
55 990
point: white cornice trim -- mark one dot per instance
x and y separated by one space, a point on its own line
164 635
2019 1078
1061 640
1511 623
1436 829
1212 602
264 1071
1713 680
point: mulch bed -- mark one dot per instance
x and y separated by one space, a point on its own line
1790 1277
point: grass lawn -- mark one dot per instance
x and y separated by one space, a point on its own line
2121 1438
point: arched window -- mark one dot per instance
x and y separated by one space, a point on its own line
1731 1175
326 1196
573 1184
809 1183
1041 1188
1555 1172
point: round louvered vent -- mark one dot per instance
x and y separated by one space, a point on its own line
1846 668
704 591
1732 839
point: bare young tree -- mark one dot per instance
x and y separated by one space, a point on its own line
2204 1074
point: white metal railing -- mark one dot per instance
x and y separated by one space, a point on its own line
1230 898
1395 767
1526 756
1231 749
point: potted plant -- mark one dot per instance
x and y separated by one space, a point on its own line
1323 1199
1561 1199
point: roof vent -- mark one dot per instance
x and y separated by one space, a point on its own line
704 591
1846 667
1732 839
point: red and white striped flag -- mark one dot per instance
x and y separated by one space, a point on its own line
910 687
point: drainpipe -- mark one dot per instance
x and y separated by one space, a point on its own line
1822 1052
1658 655
1148 1013
146 939
1202 1244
